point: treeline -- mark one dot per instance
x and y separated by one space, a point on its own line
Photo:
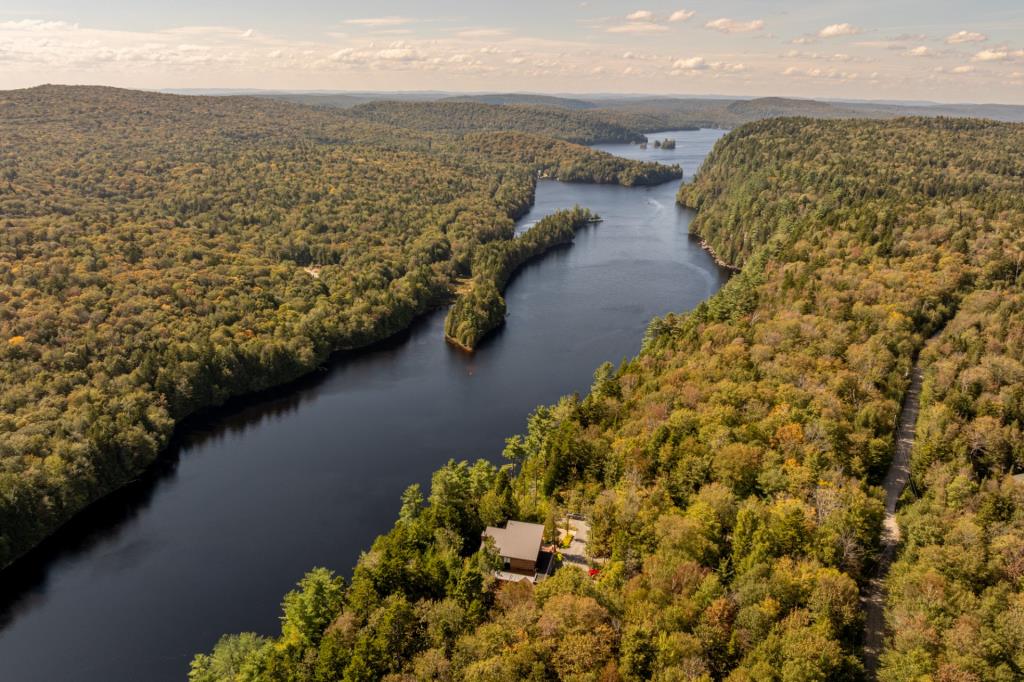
161 253
481 308
653 114
728 470
563 161
470 117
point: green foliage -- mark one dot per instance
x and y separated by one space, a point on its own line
475 313
481 308
311 608
956 594
727 470
567 162
160 254
566 124
235 658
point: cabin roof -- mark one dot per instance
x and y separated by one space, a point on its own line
517 540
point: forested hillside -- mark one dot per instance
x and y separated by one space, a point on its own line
464 117
728 470
524 98
161 253
655 114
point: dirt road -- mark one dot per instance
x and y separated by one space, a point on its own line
895 480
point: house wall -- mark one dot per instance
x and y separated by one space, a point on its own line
521 565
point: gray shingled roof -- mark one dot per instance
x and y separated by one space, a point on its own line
517 540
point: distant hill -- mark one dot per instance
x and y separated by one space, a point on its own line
651 114
773 107
316 100
520 98
997 112
464 117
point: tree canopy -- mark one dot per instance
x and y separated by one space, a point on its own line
728 471
160 253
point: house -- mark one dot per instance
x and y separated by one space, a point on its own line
519 546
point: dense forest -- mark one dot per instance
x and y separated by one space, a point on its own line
161 253
956 599
464 117
481 308
729 470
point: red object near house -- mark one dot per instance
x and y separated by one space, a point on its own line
592 572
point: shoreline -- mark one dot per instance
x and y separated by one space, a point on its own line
384 334
714 256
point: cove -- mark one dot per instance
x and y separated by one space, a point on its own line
251 496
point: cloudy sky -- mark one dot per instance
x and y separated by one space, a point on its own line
942 50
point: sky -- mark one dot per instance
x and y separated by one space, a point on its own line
937 50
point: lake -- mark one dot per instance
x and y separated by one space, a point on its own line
252 495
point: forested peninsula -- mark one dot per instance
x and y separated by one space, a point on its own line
161 253
481 308
729 472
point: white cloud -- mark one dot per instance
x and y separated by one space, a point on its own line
732 26
482 33
681 15
955 71
998 54
966 37
691 64
640 15
397 54
468 57
837 30
816 73
637 27
343 55
828 57
374 22
991 56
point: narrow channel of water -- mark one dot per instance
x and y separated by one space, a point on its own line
253 495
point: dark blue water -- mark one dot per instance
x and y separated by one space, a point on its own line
253 495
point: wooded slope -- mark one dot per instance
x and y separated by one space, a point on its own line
160 253
728 470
